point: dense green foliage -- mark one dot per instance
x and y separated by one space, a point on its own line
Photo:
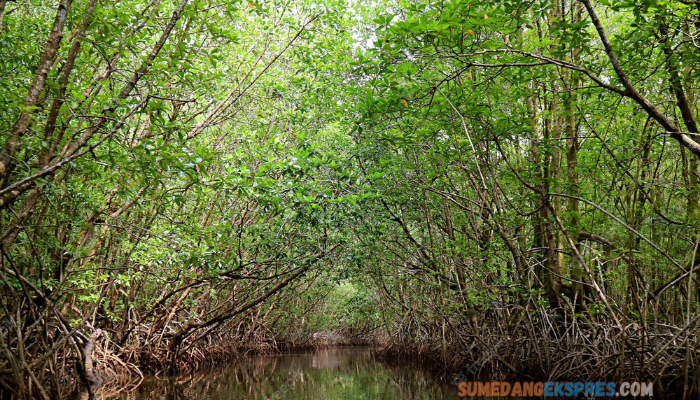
179 178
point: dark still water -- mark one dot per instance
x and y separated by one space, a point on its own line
350 373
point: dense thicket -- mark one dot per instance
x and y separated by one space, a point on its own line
538 169
512 185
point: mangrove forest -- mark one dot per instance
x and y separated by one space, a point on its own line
504 190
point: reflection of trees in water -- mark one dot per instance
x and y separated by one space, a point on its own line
333 373
413 382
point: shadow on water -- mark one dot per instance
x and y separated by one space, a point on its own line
341 373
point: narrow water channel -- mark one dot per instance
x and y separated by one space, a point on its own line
349 373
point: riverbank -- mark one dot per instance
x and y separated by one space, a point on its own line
124 369
535 352
347 372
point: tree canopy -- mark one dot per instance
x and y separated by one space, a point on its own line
180 180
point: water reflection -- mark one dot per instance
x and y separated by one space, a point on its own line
328 374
